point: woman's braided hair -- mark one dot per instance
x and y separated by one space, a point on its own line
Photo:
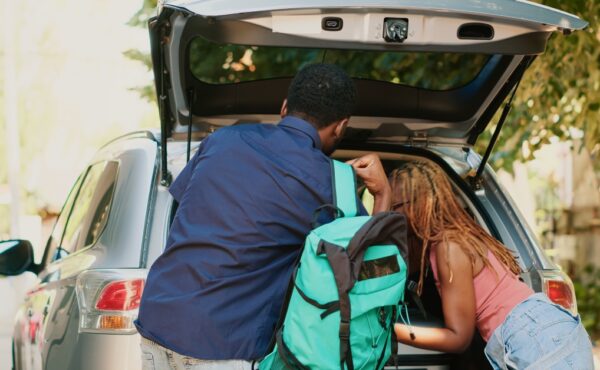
436 217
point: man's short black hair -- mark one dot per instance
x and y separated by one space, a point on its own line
321 94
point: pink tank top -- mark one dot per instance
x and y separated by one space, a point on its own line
495 294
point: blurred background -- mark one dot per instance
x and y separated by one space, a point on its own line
74 74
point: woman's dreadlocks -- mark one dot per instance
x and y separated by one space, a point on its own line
436 217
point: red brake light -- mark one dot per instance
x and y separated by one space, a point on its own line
121 295
560 293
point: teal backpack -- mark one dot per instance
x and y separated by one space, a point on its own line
345 291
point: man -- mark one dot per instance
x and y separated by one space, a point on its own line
246 201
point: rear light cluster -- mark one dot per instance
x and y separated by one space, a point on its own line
559 288
109 300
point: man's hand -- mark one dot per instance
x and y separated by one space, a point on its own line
370 169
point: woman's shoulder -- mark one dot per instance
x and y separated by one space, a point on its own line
449 254
446 248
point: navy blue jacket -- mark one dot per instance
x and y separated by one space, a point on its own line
246 202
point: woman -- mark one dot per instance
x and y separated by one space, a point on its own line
477 278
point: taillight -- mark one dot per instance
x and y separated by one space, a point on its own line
109 300
121 295
559 288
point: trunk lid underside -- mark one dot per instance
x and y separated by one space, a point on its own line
186 34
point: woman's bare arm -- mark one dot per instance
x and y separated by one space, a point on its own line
458 303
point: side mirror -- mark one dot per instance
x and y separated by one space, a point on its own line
16 257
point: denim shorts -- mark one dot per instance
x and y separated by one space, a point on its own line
539 334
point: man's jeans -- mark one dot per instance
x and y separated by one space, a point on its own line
540 335
157 357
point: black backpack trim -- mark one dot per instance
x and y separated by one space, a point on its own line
329 307
286 354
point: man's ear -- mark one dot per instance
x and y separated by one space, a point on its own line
283 111
340 127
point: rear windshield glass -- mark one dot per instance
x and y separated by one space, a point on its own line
224 64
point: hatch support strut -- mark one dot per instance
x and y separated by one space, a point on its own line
475 179
165 176
190 119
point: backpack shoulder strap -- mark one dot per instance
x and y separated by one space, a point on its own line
344 188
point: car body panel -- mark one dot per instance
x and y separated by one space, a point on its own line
516 11
47 324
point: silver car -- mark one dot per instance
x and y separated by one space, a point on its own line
430 77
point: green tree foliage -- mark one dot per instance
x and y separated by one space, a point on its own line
140 19
219 64
587 289
147 91
559 96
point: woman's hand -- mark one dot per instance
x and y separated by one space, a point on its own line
370 169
